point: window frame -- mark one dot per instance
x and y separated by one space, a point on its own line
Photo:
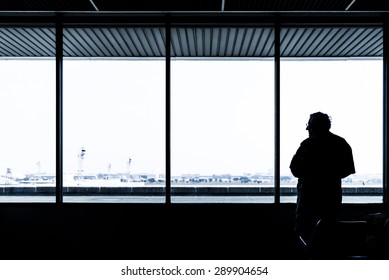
278 20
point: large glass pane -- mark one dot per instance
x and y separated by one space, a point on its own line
222 122
114 130
27 115
222 131
349 90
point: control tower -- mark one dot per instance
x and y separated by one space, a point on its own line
128 169
81 158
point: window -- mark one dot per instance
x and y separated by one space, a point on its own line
114 124
27 115
349 90
222 117
221 126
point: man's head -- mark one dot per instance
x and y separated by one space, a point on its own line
318 124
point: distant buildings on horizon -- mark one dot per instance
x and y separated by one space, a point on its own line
257 178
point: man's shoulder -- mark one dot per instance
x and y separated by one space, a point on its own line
338 141
306 141
336 137
328 138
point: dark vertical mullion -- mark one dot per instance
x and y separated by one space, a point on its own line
59 107
385 111
277 53
168 114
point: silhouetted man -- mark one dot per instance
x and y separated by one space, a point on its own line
320 163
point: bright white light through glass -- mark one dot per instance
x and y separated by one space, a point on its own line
350 92
27 120
222 119
115 111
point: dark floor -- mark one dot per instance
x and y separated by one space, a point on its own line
154 231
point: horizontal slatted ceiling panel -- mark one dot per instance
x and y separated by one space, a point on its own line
193 42
222 42
331 42
27 42
114 42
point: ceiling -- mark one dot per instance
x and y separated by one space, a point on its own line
226 42
191 41
194 5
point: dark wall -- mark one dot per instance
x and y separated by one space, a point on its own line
153 231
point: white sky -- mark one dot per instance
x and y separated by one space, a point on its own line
222 114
